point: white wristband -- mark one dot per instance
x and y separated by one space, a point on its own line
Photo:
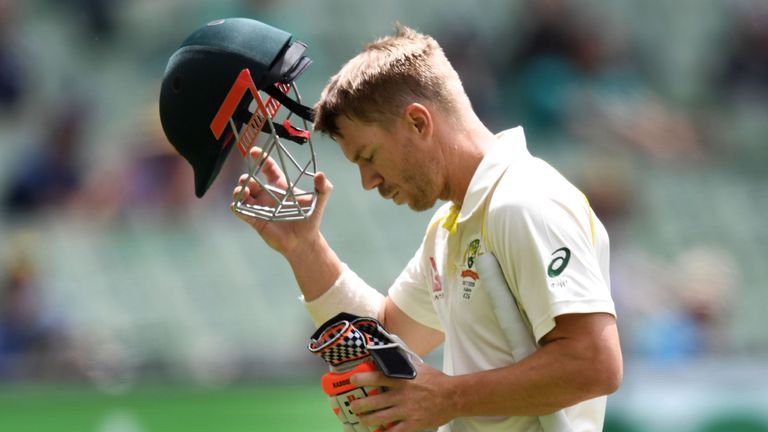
348 294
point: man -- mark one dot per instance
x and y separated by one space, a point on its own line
399 112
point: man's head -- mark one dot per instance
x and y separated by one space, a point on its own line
391 73
385 107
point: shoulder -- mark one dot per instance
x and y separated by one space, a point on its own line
518 192
532 192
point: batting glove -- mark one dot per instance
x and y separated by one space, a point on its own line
350 345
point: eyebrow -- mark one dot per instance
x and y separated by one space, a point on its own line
334 136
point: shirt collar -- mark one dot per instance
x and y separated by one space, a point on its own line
508 145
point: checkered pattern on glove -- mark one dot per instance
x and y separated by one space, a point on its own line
340 343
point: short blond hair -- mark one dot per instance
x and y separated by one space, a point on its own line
385 77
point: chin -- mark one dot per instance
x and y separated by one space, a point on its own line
420 206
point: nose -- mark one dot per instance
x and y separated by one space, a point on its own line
370 178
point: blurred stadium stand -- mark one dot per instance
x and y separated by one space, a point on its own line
648 106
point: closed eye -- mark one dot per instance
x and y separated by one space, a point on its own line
368 159
360 159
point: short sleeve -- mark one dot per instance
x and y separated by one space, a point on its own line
411 293
547 250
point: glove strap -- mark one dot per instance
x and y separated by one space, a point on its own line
346 338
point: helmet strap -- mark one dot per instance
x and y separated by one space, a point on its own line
296 107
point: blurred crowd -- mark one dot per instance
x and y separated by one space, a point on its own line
576 78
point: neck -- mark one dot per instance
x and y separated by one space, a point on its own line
465 142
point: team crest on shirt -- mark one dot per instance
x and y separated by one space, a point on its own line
469 276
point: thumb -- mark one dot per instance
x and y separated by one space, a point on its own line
323 187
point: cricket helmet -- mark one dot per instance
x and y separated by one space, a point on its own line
224 87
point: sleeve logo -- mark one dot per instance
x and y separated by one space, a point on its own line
437 285
559 262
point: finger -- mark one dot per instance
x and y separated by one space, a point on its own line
369 379
382 417
243 178
370 404
246 178
376 379
271 171
252 189
248 195
250 181
239 192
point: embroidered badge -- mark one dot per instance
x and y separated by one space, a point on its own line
469 276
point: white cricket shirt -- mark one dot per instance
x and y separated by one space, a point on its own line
553 252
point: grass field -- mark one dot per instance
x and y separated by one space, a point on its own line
164 409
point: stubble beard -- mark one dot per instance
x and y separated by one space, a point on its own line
423 196
419 177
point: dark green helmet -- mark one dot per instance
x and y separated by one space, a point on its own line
206 107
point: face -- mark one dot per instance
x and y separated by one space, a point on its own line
398 162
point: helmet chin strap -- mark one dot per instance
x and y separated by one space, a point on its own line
297 108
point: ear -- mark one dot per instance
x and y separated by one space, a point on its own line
419 120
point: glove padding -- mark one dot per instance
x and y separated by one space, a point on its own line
341 394
350 345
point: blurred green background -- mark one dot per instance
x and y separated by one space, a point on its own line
127 305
